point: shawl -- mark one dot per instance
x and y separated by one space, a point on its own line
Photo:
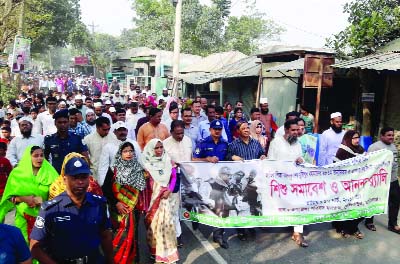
129 172
158 167
22 182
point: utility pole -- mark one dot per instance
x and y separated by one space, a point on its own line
20 31
177 46
93 26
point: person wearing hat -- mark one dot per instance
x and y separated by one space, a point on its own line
71 227
267 118
164 95
78 101
45 121
63 142
98 110
213 149
330 140
18 144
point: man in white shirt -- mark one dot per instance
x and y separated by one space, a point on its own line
45 122
96 141
179 148
288 148
173 115
120 115
18 144
118 98
289 116
133 114
109 151
330 140
98 110
164 95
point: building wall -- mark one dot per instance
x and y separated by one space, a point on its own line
392 113
281 94
244 89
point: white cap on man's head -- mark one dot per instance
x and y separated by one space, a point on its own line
108 102
336 114
25 118
78 97
88 111
112 109
97 104
119 124
165 89
264 100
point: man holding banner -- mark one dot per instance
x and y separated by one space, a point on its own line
288 148
213 149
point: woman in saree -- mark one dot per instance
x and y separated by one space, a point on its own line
159 220
349 148
58 186
122 185
27 188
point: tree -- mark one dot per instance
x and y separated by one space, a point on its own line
47 22
205 29
373 23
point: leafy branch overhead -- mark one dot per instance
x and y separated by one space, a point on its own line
205 29
373 23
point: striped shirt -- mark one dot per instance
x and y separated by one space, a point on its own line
252 150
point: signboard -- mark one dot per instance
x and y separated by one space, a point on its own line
317 67
82 60
367 97
262 193
20 59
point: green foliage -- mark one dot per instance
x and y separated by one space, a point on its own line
373 23
205 29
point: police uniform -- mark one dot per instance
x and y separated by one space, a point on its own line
58 148
207 148
70 234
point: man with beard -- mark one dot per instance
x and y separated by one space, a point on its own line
164 96
288 148
60 144
79 104
109 151
18 144
73 226
330 140
45 122
267 118
84 128
152 129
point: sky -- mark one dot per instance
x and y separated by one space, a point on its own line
307 22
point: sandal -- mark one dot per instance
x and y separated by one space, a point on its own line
358 235
299 240
344 234
371 227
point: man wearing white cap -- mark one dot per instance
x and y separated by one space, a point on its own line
98 110
88 125
267 118
330 140
164 95
109 151
18 144
118 98
79 104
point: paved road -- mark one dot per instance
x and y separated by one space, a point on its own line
273 245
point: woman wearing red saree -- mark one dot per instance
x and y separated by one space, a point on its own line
159 220
121 187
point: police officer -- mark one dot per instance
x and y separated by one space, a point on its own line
71 227
213 149
59 144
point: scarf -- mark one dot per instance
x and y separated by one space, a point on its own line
22 182
159 167
129 172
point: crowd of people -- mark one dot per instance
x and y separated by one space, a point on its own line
82 161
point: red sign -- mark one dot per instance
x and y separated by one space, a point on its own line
81 60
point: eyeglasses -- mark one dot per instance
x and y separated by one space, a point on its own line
160 147
130 151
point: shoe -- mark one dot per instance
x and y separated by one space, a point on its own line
242 236
358 234
299 240
371 227
180 242
221 242
393 229
344 234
